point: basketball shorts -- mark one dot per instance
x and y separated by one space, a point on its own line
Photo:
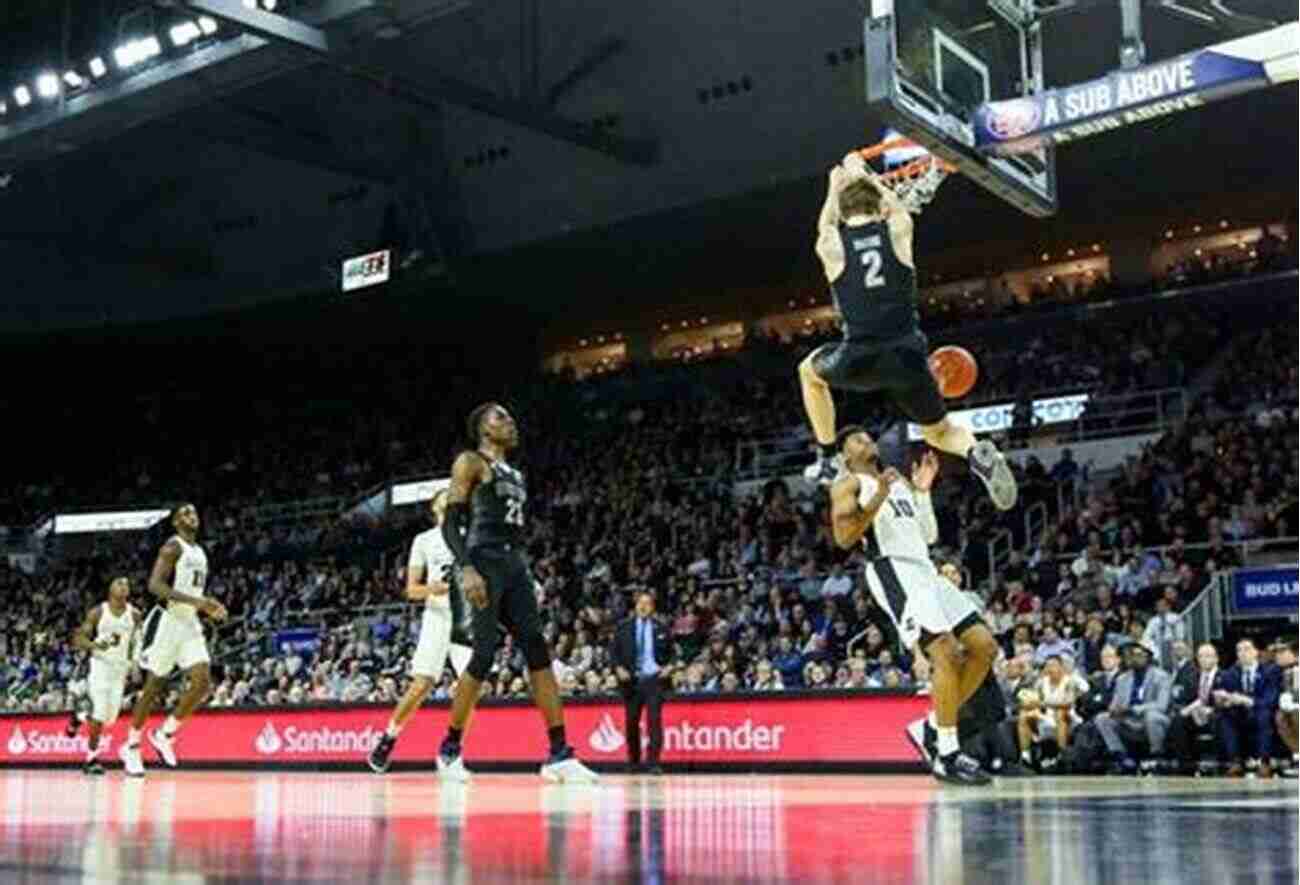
171 640
435 645
512 600
105 686
922 604
898 368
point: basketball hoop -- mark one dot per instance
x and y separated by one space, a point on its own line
915 182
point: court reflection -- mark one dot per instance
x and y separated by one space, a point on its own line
208 828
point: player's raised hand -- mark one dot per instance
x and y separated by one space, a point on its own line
924 471
215 610
889 477
854 164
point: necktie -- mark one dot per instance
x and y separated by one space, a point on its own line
1205 689
640 642
1250 680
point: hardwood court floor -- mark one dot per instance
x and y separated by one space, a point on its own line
210 827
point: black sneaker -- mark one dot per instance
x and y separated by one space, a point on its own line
92 767
958 768
823 471
378 758
924 738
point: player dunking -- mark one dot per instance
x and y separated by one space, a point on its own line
864 241
484 530
108 633
895 521
428 579
172 637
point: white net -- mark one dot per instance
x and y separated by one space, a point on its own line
916 183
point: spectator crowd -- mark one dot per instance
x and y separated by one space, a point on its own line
633 492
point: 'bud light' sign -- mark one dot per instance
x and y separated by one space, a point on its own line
367 270
1266 592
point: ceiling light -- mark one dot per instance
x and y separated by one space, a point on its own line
47 85
97 67
23 96
74 80
185 32
208 25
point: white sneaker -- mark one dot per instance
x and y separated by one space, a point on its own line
568 771
163 745
131 760
988 464
453 770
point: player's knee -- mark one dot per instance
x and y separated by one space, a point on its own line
944 655
536 654
980 645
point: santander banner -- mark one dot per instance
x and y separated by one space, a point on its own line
865 729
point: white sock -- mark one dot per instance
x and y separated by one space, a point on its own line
393 728
934 723
948 740
171 726
133 737
92 753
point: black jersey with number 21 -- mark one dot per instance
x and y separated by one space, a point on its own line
876 293
497 507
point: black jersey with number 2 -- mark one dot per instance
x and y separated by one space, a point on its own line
876 292
497 507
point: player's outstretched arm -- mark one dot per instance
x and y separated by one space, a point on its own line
849 522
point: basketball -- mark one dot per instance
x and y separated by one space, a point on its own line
955 370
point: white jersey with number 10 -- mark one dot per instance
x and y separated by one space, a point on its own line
896 531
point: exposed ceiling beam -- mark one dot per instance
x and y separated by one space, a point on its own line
276 28
599 54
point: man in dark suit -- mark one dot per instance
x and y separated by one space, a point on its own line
1247 702
1185 672
1192 711
640 654
1101 686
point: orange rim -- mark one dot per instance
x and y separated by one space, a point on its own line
912 169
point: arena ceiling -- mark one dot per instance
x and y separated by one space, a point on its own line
621 134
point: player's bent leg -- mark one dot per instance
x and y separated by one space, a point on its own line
952 765
980 649
200 688
986 462
130 752
416 692
819 404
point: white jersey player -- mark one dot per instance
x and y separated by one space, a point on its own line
427 578
108 633
894 520
173 637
